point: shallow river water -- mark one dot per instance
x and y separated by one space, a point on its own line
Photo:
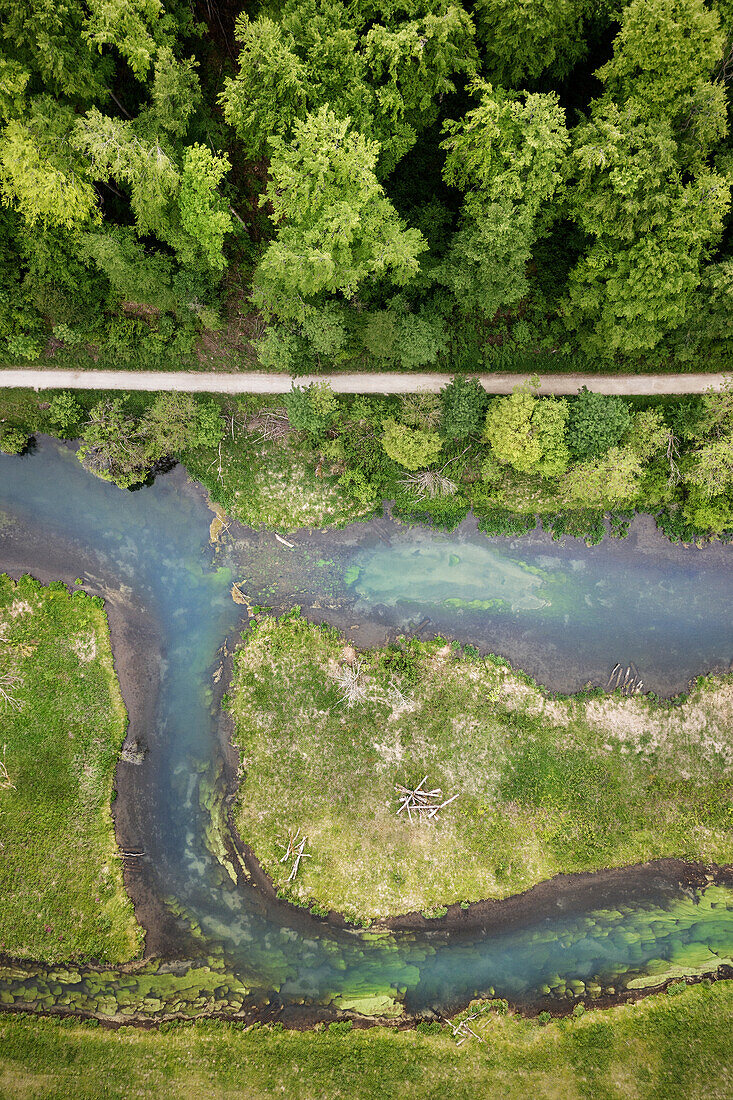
566 613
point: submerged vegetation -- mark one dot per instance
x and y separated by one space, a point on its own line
545 785
63 724
663 1048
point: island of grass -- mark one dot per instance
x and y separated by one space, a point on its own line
63 724
545 785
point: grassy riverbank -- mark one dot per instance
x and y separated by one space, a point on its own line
63 723
327 460
663 1048
545 785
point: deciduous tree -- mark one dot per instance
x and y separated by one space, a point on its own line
505 155
410 447
336 227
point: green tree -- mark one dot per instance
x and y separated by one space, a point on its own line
135 274
549 426
709 468
523 38
410 447
399 336
464 403
175 95
112 446
528 433
48 38
176 202
128 25
203 216
65 413
642 188
663 58
384 70
505 155
648 434
313 409
177 422
596 423
610 481
40 174
336 227
651 232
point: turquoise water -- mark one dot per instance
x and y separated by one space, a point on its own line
565 613
151 548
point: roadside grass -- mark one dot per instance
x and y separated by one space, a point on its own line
62 728
545 784
662 1048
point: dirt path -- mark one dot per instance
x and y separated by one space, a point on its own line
386 382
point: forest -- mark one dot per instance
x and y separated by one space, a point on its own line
315 184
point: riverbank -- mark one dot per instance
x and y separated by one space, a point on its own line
667 1047
545 785
324 469
64 722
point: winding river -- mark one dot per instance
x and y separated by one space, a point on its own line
566 613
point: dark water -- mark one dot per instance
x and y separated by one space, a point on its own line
152 546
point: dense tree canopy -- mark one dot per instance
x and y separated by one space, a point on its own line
319 183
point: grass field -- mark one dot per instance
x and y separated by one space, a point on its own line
545 785
663 1048
63 723
273 484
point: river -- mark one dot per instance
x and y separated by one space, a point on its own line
564 612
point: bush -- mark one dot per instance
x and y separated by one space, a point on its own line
464 405
65 414
410 447
13 441
24 347
500 521
596 423
312 409
580 523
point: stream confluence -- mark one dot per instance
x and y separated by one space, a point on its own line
564 612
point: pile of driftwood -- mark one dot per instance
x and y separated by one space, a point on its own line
625 679
423 804
462 1030
295 850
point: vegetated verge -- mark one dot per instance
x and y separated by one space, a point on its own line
63 724
676 1045
314 458
545 785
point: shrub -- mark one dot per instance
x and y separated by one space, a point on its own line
410 447
464 404
312 409
596 423
24 347
65 413
13 441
